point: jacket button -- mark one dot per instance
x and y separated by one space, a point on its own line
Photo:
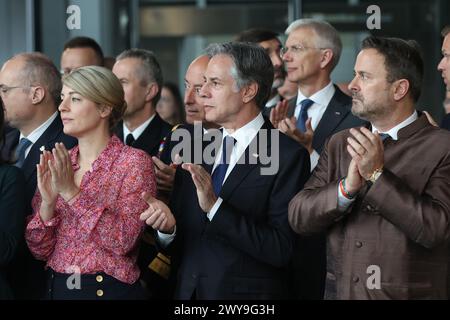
99 278
194 276
358 244
99 293
355 279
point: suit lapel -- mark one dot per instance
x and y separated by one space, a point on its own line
151 137
242 169
333 115
48 140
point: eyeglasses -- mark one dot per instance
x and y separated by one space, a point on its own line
4 89
297 49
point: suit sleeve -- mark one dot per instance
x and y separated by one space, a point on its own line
315 208
425 217
12 214
270 241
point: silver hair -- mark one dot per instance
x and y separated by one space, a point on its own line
326 36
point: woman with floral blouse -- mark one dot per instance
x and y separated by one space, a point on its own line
86 209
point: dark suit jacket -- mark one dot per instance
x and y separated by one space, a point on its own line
338 116
151 138
243 252
28 273
309 261
400 223
446 122
12 220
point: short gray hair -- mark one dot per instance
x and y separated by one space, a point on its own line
445 31
251 64
326 36
151 71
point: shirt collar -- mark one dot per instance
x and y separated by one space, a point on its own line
245 134
394 131
138 131
37 133
321 97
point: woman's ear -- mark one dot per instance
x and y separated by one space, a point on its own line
104 111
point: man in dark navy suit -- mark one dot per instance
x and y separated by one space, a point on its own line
229 227
30 87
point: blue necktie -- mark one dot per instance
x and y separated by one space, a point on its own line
24 143
221 169
303 116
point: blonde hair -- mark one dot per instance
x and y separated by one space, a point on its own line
101 86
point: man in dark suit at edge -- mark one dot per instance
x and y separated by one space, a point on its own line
30 90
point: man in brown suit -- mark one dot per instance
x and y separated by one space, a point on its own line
382 193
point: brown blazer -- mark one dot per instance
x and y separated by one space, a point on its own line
400 223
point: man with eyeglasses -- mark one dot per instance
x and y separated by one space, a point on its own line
30 87
312 51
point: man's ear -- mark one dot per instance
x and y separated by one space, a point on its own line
249 92
152 91
37 94
327 56
401 88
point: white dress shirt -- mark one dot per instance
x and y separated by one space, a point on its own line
138 131
37 133
343 202
321 100
243 137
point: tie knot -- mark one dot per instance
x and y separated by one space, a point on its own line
384 136
129 140
305 104
24 143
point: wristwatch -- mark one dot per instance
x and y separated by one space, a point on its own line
375 175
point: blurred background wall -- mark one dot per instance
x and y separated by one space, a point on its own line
178 30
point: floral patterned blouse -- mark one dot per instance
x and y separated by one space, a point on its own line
99 231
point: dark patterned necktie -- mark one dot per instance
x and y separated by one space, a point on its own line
24 143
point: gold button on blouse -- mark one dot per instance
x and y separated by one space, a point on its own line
99 293
99 278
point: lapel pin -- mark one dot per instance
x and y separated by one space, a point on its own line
255 155
337 113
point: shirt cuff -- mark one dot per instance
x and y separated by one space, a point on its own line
166 239
343 202
214 209
314 156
